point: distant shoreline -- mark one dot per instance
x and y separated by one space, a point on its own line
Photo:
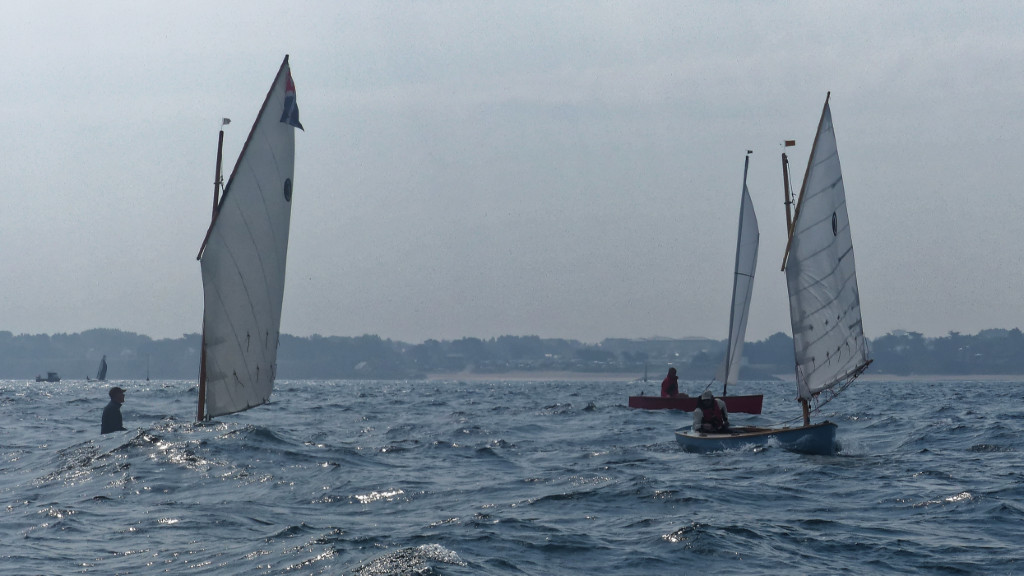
941 378
630 378
542 375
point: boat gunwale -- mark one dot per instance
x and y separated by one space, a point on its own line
750 431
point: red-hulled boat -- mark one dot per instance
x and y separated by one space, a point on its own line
745 404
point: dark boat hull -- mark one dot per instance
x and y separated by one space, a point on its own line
734 404
813 439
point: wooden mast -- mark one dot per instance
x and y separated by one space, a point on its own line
218 180
201 407
788 201
786 187
810 161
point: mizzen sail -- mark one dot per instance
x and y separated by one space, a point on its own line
824 302
747 240
243 261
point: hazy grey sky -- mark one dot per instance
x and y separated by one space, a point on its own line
563 169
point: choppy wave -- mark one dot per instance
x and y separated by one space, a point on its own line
384 478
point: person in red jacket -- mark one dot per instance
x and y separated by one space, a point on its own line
670 385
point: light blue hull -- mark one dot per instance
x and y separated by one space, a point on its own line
813 439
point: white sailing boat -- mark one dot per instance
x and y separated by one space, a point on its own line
824 304
747 240
243 260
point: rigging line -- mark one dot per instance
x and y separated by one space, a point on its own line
837 388
784 422
817 405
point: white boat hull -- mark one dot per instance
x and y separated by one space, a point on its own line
813 439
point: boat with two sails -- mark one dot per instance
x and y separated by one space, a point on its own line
830 349
747 241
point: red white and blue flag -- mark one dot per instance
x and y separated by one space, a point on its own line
291 109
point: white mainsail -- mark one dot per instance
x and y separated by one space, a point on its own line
824 302
243 261
747 240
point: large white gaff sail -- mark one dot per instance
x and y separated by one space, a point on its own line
243 261
824 301
747 241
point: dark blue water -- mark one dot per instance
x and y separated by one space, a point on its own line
378 478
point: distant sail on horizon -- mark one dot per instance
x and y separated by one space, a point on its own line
101 372
243 261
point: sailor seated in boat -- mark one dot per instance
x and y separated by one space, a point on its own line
710 415
670 385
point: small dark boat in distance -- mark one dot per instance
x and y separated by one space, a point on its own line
50 377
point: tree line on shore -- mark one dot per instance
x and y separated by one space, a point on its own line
133 356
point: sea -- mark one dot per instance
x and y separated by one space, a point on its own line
505 477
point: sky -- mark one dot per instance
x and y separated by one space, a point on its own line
562 169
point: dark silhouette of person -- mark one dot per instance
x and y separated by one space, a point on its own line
112 412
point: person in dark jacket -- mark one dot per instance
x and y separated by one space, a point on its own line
112 412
